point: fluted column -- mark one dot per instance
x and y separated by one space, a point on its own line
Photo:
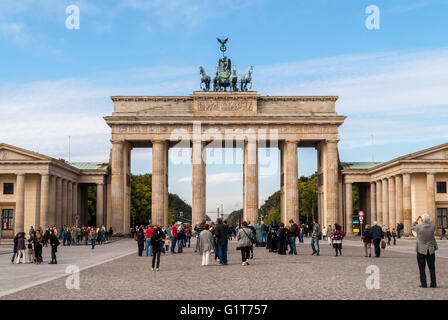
348 209
117 187
250 181
165 187
385 204
289 176
58 203
158 182
52 202
20 204
379 202
64 202
430 197
44 200
392 205
407 205
399 198
372 213
75 203
332 181
70 203
198 200
99 205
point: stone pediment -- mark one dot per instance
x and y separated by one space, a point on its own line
11 153
436 153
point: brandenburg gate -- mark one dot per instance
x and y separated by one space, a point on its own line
236 118
243 119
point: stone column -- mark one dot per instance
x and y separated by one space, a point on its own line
372 213
58 203
158 182
117 187
99 205
392 206
250 182
332 181
430 197
70 203
165 184
385 203
75 203
44 200
290 192
64 202
198 182
20 204
399 198
348 209
52 205
379 203
407 205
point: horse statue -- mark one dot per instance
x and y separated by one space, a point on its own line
234 79
205 79
247 79
224 77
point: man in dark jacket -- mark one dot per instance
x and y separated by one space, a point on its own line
15 248
222 237
54 243
293 232
377 235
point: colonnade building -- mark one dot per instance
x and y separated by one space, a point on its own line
36 190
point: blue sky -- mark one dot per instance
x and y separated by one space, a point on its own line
56 82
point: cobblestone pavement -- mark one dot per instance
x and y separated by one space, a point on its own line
15 277
270 276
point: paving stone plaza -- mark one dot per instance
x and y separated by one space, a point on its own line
115 271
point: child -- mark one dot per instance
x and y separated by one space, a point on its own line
167 244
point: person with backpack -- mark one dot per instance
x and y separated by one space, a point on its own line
156 244
293 232
337 235
377 235
367 240
315 236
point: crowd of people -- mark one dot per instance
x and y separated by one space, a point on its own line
28 248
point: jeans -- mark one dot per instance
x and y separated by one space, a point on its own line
86 240
180 245
264 237
173 241
430 259
292 245
376 244
301 238
148 246
93 243
315 240
221 252
187 242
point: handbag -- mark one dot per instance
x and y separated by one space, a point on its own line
383 244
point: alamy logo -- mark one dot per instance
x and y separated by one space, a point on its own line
72 281
373 20
72 21
373 280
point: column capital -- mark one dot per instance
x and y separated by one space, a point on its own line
117 142
332 140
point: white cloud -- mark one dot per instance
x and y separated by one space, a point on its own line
15 32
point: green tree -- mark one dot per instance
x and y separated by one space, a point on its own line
273 214
141 198
234 218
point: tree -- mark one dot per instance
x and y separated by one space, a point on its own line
234 218
141 198
273 215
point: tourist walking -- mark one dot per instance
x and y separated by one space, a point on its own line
173 237
336 236
140 237
148 235
21 249
54 243
292 236
187 236
156 244
394 236
315 236
180 237
443 235
389 236
329 230
367 240
377 235
37 242
244 237
426 247
206 245
92 237
15 247
222 238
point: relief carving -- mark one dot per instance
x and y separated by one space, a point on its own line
225 105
